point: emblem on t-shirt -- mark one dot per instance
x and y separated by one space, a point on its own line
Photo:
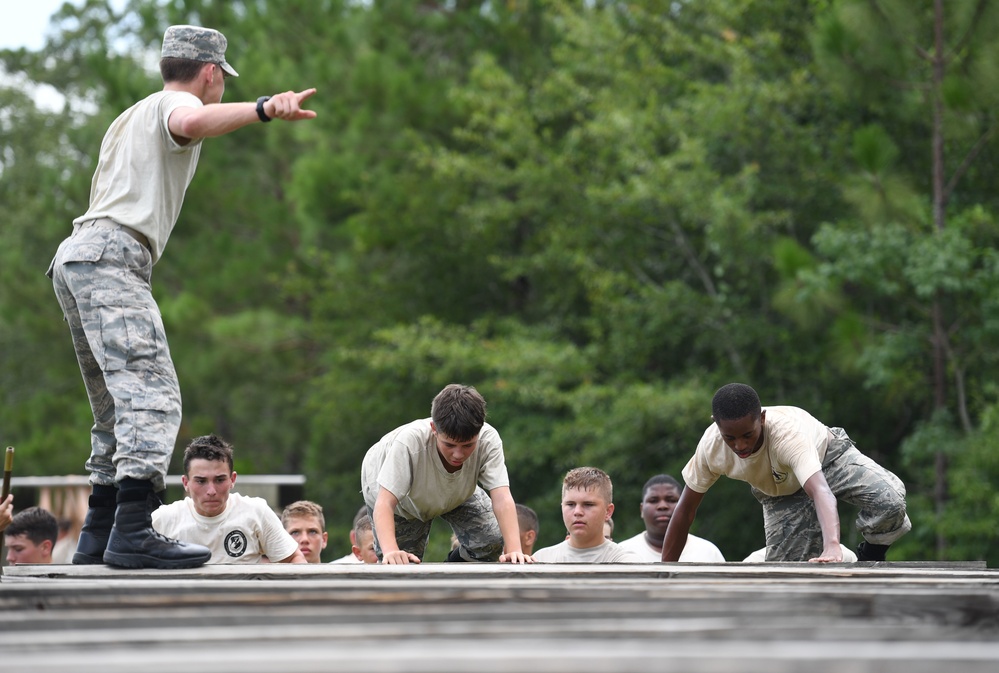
235 544
779 477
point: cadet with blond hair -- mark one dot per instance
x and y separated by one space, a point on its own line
587 504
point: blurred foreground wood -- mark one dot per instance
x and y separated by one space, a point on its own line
486 618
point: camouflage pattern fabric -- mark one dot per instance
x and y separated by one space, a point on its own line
197 44
792 526
473 523
101 278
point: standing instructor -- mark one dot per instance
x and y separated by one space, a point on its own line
101 275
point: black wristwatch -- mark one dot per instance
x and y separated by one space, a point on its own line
260 108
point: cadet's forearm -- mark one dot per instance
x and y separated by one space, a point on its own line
505 510
679 525
825 509
383 520
297 557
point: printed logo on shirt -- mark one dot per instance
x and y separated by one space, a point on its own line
779 477
235 544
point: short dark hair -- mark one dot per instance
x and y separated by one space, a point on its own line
180 70
362 525
34 523
527 518
659 479
734 401
458 412
208 447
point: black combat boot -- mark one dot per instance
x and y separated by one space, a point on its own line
96 527
871 552
135 544
454 556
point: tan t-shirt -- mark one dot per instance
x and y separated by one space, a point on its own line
794 444
142 172
605 552
406 463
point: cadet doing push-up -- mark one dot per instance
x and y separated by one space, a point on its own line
797 468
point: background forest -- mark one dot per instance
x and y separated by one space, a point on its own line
595 212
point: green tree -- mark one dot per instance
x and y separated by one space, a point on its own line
921 246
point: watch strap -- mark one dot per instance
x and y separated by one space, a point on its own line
260 108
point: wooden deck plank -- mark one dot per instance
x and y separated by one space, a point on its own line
447 618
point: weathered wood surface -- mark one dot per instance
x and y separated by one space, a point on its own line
777 618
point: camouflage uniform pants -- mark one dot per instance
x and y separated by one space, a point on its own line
792 525
101 278
472 522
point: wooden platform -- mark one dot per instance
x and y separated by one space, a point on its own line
486 618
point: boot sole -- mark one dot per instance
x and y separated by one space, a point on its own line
143 561
87 560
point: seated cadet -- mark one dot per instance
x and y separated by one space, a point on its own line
587 503
363 547
527 521
659 496
350 557
237 529
31 536
305 522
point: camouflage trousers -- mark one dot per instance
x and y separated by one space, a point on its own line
101 277
792 525
472 522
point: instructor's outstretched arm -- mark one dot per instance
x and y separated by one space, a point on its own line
217 119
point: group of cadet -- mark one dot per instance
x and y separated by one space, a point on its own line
452 466
449 466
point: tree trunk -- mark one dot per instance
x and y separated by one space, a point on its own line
939 220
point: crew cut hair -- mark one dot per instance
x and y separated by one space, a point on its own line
589 478
34 523
527 518
734 401
208 447
659 479
180 70
362 525
458 412
301 509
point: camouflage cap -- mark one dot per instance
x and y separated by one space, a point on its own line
198 44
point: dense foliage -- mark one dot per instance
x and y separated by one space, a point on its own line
595 212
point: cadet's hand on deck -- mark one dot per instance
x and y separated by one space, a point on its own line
400 557
829 555
516 557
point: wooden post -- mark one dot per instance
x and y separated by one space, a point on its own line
8 468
